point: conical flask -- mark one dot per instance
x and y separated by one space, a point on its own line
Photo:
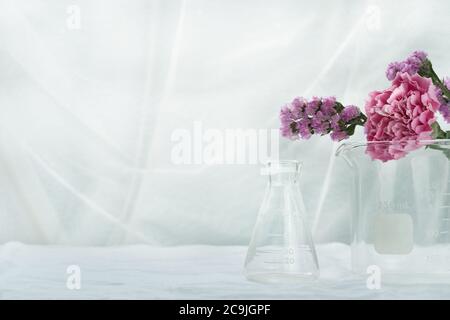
281 249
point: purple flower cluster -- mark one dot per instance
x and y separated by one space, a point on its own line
302 118
444 109
349 113
411 65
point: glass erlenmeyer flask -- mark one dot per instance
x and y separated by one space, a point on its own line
281 249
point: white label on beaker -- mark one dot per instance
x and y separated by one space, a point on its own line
393 233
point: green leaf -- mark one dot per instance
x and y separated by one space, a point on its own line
445 151
350 129
338 107
437 132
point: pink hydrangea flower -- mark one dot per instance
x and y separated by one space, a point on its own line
402 113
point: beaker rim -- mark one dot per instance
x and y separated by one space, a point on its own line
348 146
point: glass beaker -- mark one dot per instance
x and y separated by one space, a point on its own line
400 208
281 249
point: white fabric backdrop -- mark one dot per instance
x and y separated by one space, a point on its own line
87 111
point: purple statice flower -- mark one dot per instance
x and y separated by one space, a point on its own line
328 102
338 135
411 65
297 106
439 93
414 61
444 108
320 123
447 82
288 126
302 118
319 111
334 122
304 130
327 107
312 106
393 69
349 113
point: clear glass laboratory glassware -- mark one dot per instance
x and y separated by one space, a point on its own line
400 210
281 249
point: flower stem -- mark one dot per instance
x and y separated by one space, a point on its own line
428 71
438 133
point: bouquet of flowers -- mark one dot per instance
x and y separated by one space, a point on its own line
404 113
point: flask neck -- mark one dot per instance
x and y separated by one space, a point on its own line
283 173
283 180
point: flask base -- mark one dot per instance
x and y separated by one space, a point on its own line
281 278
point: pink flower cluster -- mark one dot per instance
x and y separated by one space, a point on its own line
403 113
302 118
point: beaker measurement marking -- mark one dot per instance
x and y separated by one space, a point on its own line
280 251
282 261
273 262
275 252
269 251
290 250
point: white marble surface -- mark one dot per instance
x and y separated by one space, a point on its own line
185 272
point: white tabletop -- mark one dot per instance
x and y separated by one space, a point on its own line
185 272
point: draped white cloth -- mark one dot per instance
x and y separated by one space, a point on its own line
91 92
